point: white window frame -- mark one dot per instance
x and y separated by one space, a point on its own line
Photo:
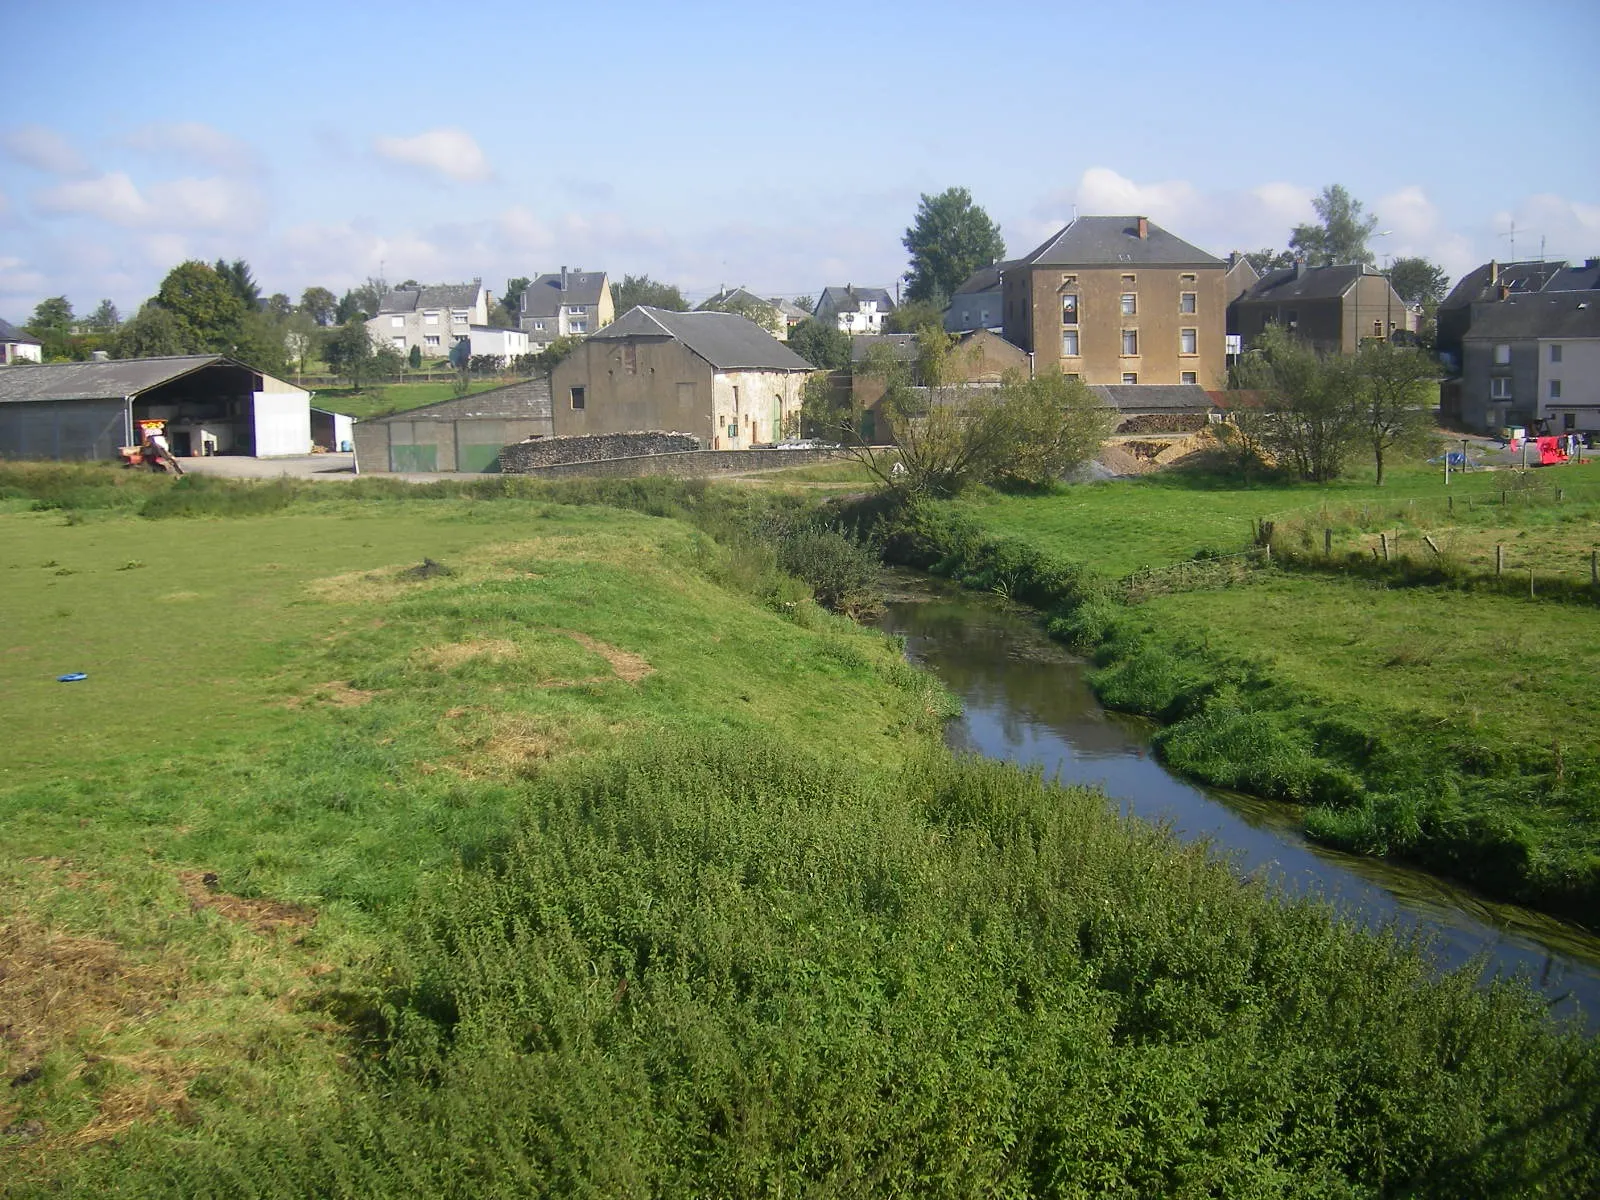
1555 389
1130 304
1555 352
1188 342
432 339
1130 337
1130 378
1502 353
430 318
1188 303
1500 387
1189 377
1077 310
397 322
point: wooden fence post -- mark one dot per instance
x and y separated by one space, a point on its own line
1530 583
1384 539
1499 559
1327 543
1452 501
1594 568
1433 545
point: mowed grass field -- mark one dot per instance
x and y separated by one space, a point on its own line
284 732
395 397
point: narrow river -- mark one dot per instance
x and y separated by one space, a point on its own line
1027 701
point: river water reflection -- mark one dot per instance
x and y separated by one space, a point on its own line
1028 702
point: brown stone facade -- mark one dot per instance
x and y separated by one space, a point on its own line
1177 323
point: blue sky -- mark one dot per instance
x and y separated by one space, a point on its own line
778 147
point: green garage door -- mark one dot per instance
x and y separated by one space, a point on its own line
478 458
413 458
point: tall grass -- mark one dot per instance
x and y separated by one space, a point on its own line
727 968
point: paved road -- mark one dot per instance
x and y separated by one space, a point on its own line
300 466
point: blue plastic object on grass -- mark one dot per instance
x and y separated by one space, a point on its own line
71 677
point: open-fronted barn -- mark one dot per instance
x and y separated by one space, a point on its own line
198 404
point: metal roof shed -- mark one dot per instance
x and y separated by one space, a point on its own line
86 410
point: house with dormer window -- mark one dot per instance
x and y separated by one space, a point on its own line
853 309
565 304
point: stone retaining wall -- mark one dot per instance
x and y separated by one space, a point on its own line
686 463
554 451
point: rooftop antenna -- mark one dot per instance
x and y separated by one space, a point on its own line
1513 236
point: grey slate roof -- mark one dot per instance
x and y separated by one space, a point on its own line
544 297
99 380
1177 397
1314 283
848 299
904 345
792 311
1114 241
529 398
736 295
1576 279
446 295
727 341
1518 276
1539 315
10 333
984 279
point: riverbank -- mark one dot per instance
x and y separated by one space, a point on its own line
1434 724
483 837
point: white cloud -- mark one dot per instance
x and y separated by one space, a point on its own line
449 152
42 148
112 197
194 140
1564 228
211 203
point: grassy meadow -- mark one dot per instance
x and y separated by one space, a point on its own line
1420 709
376 399
503 838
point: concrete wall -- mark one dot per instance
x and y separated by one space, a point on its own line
1480 410
282 420
548 452
640 383
688 463
1579 375
751 407
1033 321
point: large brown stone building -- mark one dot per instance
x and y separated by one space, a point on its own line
1119 300
716 375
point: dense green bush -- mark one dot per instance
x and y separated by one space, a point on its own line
729 969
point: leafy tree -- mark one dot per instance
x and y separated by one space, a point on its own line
512 300
1418 281
1309 421
52 323
238 275
950 238
913 316
363 300
1391 390
404 284
1267 259
319 304
207 307
949 436
261 341
278 306
415 357
302 337
821 344
551 356
805 303
105 318
350 352
151 332
1342 233
635 290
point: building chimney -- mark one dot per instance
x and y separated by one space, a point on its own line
1503 292
1299 265
1494 272
563 279
1144 228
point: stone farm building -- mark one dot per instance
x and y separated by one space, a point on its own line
716 375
